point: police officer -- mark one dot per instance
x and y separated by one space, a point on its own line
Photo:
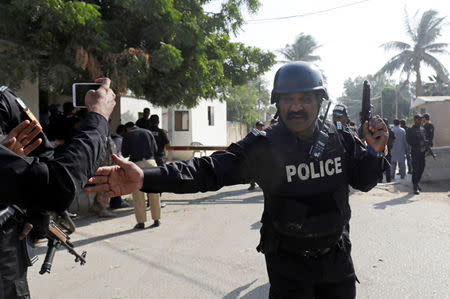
416 139
160 138
429 129
305 236
37 184
408 154
259 125
340 116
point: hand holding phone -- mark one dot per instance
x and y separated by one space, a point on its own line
79 91
100 99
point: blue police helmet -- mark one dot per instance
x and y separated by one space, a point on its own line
298 76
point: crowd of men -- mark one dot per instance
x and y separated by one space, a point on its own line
142 142
404 144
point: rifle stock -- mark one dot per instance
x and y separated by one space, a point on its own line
57 238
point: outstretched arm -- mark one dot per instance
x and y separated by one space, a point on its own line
109 181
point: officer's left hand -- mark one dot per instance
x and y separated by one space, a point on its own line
18 140
376 133
109 181
26 230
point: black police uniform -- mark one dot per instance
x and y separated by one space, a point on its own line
306 211
11 115
37 183
429 133
144 123
161 141
415 136
139 144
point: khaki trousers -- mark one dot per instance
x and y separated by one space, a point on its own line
139 198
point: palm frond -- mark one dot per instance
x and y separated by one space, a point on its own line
396 45
440 69
436 47
434 30
410 31
397 62
429 27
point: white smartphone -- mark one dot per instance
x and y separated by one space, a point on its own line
79 91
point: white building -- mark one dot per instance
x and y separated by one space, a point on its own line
206 123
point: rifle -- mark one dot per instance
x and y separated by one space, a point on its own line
57 238
55 235
366 113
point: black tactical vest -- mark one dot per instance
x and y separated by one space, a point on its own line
306 198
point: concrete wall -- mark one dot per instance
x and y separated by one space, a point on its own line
439 169
235 132
440 117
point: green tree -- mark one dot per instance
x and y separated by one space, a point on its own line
168 51
352 95
423 34
301 50
248 103
40 39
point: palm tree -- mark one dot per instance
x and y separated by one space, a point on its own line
301 50
423 35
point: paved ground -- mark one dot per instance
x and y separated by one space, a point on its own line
205 248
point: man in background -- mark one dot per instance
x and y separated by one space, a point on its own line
144 122
340 116
259 126
399 150
140 145
429 129
390 142
416 138
161 140
408 155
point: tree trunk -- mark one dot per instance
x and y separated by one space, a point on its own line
419 87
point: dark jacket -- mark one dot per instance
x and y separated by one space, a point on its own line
139 144
416 138
11 115
161 140
32 182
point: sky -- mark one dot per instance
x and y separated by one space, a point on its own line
350 36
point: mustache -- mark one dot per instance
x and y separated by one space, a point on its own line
302 114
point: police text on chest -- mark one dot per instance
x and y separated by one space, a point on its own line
314 170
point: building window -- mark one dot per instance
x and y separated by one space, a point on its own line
210 115
181 120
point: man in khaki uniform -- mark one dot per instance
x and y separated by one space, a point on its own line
140 145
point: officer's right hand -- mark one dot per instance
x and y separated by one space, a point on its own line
123 178
18 140
101 100
376 133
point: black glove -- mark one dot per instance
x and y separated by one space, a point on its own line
40 221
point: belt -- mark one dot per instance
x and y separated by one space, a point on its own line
308 253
